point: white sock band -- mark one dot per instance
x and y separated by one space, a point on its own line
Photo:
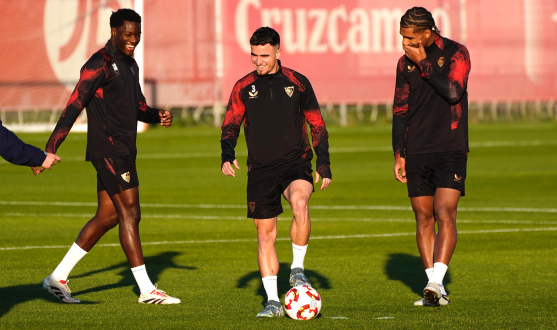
68 263
439 270
429 273
298 256
142 279
270 285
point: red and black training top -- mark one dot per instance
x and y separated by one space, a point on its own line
109 88
430 112
274 109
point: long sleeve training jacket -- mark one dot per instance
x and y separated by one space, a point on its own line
109 88
430 112
274 109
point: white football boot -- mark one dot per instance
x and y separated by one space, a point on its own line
60 290
157 297
443 301
432 292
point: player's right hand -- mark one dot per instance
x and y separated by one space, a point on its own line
227 169
400 169
50 160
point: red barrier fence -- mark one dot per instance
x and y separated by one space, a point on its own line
348 49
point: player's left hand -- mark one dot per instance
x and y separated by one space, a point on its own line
166 117
326 181
414 53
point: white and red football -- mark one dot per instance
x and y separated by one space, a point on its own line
302 303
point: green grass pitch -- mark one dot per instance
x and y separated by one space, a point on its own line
362 257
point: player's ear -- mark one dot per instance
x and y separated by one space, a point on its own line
278 53
427 33
113 32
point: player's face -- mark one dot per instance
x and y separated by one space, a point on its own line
126 37
264 58
411 38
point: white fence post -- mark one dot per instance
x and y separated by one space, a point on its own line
343 114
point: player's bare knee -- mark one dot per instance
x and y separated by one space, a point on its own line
299 204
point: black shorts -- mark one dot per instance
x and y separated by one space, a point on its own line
264 200
427 172
116 174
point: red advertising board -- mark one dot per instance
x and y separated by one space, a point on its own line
348 49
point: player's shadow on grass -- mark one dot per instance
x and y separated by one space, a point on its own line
317 280
155 266
19 294
409 270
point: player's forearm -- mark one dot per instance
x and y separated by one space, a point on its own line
227 146
452 88
149 115
62 129
398 136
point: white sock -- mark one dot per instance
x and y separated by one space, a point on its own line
142 279
270 285
439 270
429 273
68 263
299 254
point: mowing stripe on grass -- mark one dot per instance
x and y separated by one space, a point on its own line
216 217
316 207
487 231
486 144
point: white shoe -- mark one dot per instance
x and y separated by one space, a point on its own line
157 297
443 301
60 290
432 293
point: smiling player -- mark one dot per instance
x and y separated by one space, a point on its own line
109 88
274 103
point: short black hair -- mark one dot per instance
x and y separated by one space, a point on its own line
420 19
265 35
123 14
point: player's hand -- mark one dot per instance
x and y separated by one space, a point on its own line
166 117
415 53
227 169
400 169
37 170
326 181
50 160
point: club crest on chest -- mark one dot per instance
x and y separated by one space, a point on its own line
411 68
289 90
441 61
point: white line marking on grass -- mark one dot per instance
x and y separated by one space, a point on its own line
509 230
186 155
385 318
316 207
216 217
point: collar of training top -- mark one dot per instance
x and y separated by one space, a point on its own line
273 76
117 53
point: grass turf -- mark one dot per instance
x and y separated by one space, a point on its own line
362 258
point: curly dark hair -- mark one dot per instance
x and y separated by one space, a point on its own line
123 14
420 19
265 35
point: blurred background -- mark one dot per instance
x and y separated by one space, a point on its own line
193 51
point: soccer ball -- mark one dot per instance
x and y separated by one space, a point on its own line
302 303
